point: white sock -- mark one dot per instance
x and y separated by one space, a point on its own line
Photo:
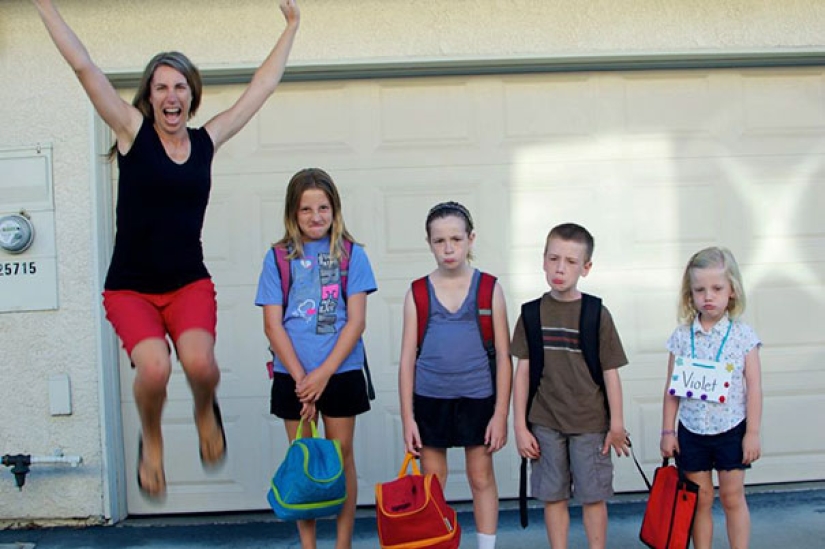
486 541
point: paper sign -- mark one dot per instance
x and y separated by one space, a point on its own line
700 379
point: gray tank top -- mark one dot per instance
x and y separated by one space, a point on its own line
453 362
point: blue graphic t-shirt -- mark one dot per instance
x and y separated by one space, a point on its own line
316 310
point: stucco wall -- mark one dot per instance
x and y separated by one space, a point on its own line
40 101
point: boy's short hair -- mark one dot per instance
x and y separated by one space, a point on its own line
575 233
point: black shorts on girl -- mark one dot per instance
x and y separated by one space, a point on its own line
452 422
722 452
344 396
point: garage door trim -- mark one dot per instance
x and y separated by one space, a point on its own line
510 65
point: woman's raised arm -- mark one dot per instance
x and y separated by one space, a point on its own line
123 118
226 124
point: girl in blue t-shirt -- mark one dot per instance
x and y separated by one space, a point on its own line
718 430
315 331
448 396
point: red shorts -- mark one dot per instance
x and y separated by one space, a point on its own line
136 316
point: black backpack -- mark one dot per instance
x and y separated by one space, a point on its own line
589 323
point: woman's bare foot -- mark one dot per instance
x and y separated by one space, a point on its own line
212 437
150 476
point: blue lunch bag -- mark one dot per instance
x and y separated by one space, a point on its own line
310 483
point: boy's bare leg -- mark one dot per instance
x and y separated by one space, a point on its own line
594 516
557 522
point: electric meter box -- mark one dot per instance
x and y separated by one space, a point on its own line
28 255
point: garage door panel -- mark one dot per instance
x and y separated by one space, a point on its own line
650 99
790 206
766 95
444 106
271 229
320 122
537 109
646 404
792 431
791 468
661 208
791 424
648 321
392 302
224 237
807 304
241 349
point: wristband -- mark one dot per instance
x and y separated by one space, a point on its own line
668 432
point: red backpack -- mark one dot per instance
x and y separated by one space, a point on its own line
484 314
282 263
411 512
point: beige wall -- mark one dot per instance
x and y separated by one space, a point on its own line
41 102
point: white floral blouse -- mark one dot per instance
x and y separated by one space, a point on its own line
710 418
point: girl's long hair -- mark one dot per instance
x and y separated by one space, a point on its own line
312 178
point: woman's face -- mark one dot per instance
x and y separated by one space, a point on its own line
171 99
314 215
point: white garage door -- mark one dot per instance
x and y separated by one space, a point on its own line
656 164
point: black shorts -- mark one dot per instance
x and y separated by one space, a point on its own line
344 396
452 422
722 452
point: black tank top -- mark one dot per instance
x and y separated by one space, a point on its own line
160 211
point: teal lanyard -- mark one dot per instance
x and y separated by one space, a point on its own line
722 346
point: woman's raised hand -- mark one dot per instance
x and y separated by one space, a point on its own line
290 10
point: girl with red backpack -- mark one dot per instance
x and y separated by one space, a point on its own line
454 392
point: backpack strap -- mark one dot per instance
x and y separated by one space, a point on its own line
484 315
282 263
343 265
421 298
589 325
531 321
370 387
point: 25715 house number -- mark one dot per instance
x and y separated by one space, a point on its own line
18 268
